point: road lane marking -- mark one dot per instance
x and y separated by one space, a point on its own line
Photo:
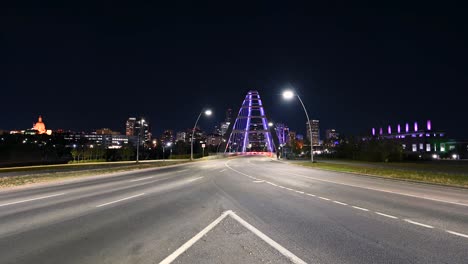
223 170
259 181
313 195
179 171
340 203
323 198
456 233
194 239
191 180
289 189
271 183
32 199
360 208
386 215
141 179
380 190
300 192
268 240
123 199
417 223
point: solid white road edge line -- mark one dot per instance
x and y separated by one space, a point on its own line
32 199
456 233
417 223
141 179
386 215
259 181
268 240
123 199
323 198
194 239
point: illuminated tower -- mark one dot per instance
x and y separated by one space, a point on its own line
250 131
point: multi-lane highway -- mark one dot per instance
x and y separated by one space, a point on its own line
239 210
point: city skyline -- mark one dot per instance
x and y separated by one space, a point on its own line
354 67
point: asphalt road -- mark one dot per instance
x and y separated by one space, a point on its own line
240 210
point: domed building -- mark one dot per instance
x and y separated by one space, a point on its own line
40 127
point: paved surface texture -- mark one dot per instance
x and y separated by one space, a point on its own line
318 216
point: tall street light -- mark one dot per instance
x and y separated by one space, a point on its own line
207 113
288 95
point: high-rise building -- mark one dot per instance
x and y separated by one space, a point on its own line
331 134
181 136
130 127
141 130
314 125
167 137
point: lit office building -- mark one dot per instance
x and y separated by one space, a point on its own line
314 125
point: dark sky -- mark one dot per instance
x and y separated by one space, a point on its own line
355 67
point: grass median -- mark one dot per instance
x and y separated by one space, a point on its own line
34 177
437 177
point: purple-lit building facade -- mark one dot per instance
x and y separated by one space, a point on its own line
421 140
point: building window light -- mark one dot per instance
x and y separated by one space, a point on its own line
428 147
415 147
421 146
442 147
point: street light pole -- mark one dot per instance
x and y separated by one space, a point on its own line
310 129
288 95
207 112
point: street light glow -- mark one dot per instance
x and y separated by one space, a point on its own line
208 112
270 124
288 94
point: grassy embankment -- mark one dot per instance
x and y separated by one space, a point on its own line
430 173
37 174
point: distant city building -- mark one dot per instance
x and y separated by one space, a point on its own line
167 137
423 140
314 125
213 139
331 134
224 127
108 141
181 136
141 132
40 127
130 127
106 131
331 138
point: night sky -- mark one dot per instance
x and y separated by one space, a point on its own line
355 67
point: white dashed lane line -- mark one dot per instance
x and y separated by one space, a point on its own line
386 215
120 200
418 224
360 208
337 202
457 234
353 206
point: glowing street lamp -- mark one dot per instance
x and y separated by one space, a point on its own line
288 95
207 112
270 124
